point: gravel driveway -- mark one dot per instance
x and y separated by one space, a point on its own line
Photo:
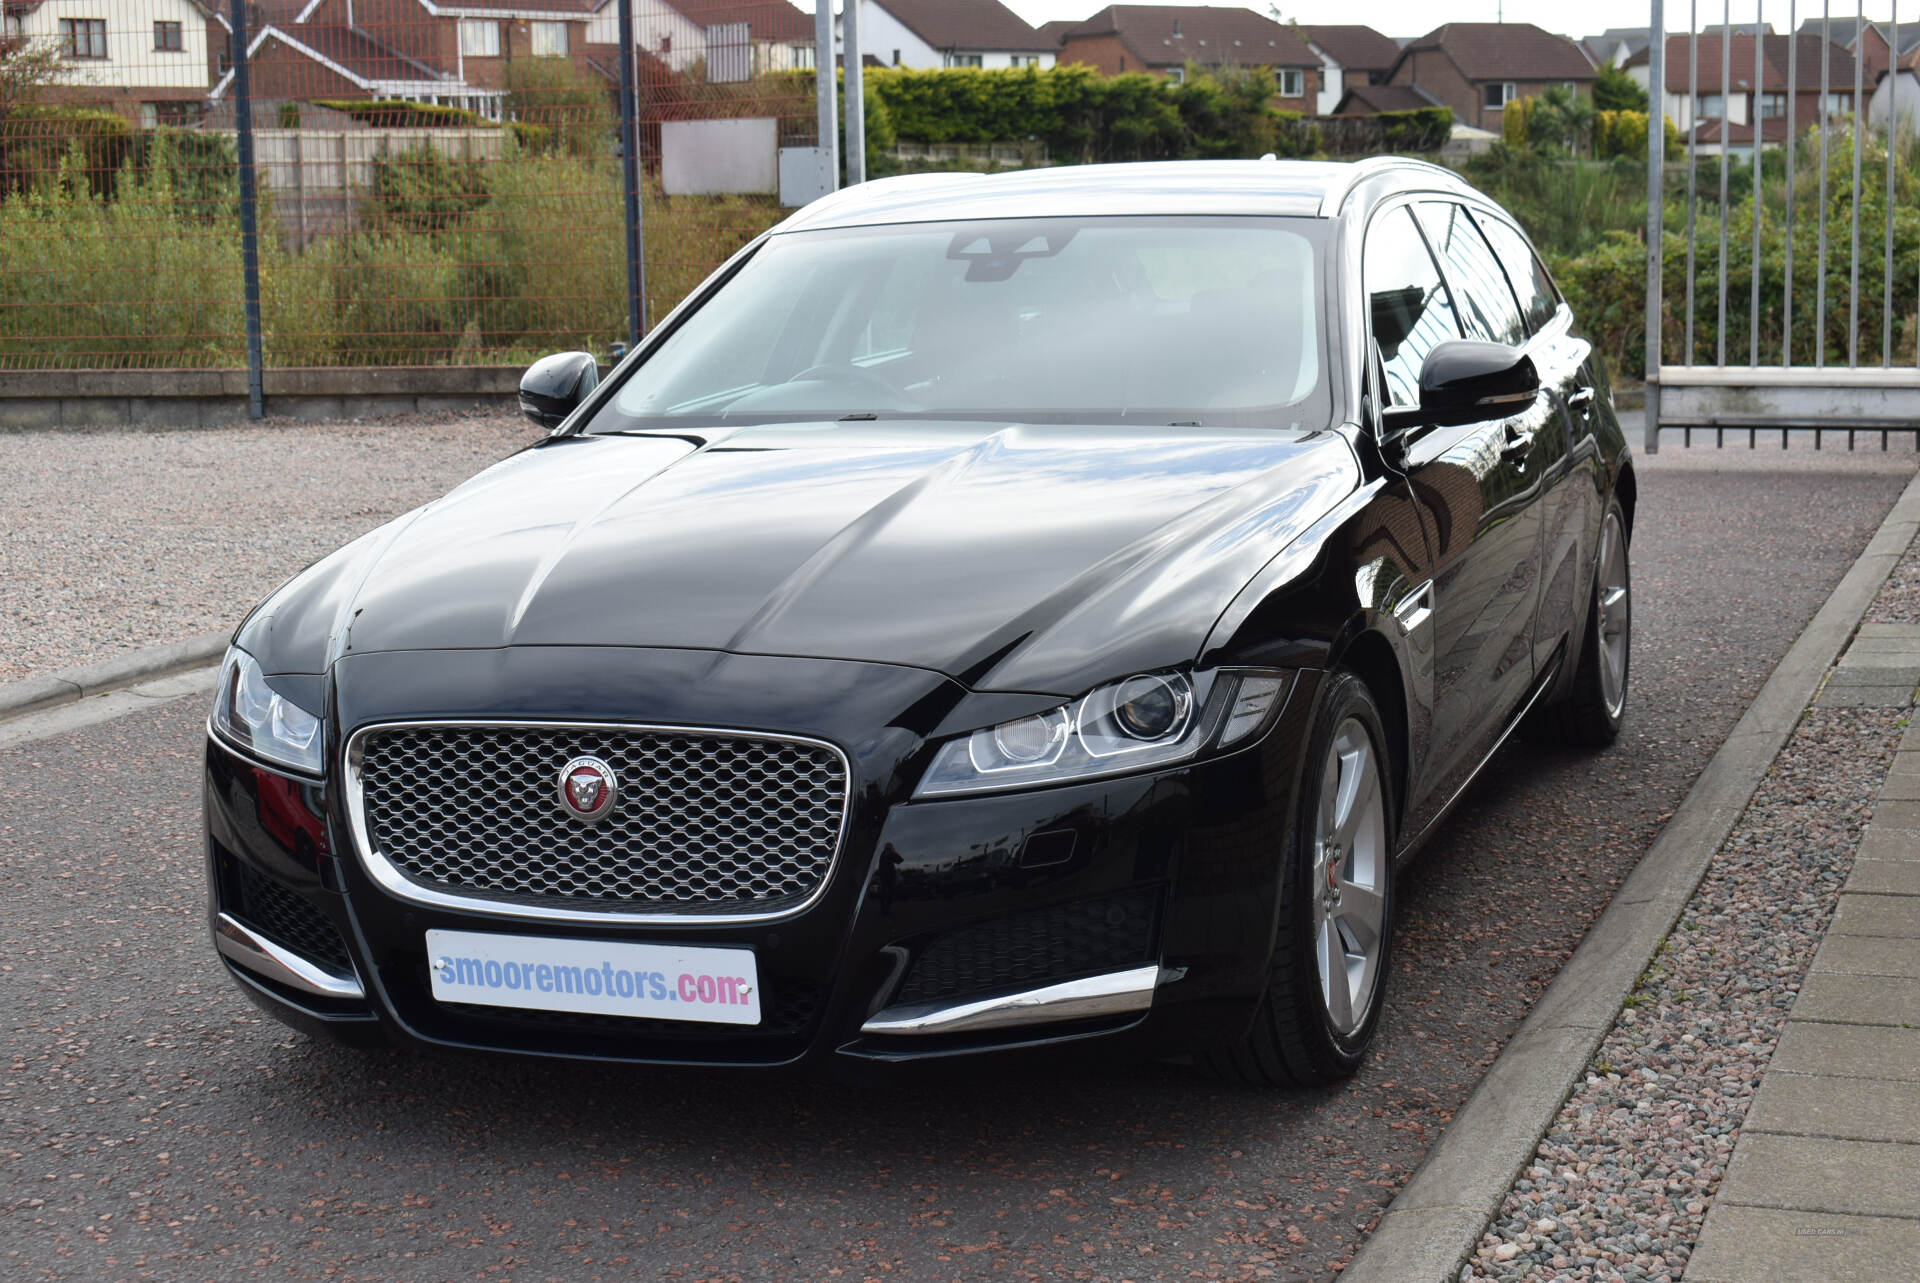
157 1126
118 539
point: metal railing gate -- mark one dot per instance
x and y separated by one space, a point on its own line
1831 118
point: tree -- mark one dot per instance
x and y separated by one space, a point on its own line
27 67
1616 91
1562 120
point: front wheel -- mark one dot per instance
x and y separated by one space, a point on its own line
1329 970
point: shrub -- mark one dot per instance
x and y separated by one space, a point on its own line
400 113
39 140
549 92
421 190
1422 129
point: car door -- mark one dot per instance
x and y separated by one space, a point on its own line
1570 503
1476 488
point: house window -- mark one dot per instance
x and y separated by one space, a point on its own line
177 112
549 39
1025 60
1498 94
83 37
964 60
166 37
1710 107
666 43
1293 84
479 38
15 26
1772 106
1178 75
1839 104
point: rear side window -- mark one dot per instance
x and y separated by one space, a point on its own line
1407 302
1538 299
1480 287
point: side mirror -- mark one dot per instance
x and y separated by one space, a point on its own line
1468 381
555 385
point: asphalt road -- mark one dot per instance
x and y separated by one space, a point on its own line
156 1126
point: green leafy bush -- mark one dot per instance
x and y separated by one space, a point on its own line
401 113
553 94
1079 115
38 140
422 190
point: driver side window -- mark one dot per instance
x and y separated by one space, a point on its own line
1407 302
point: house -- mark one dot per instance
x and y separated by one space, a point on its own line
1723 114
949 33
1880 39
148 60
1349 56
1890 68
1055 33
733 39
1477 68
1615 45
1371 100
449 55
1163 39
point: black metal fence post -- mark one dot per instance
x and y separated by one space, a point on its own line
630 167
249 212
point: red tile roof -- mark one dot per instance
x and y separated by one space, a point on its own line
967 24
559 8
1165 35
1371 100
1506 51
1773 64
358 52
765 19
1355 48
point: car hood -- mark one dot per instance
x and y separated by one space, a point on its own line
1038 558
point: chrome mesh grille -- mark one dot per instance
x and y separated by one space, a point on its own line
703 822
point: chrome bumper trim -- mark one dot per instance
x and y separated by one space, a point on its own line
1112 994
277 963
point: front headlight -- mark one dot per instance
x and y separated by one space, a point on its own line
1143 721
260 720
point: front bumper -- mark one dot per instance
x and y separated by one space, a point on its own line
1137 911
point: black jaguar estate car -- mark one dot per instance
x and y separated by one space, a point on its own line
989 613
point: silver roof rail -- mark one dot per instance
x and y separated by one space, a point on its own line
1361 170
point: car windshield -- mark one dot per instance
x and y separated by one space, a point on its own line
1207 321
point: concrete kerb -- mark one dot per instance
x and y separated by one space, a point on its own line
1430 1229
37 694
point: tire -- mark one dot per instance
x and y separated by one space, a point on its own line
1307 1031
1590 713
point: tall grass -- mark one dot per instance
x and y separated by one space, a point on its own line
534 263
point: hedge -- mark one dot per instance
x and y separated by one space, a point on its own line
35 139
402 113
1080 115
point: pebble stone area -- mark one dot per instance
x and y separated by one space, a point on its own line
166 534
1621 1184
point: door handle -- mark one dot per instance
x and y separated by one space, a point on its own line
1581 400
1518 445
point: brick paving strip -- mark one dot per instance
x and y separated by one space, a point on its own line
1764 1074
1825 1181
1663 1022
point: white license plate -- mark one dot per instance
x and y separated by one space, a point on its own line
599 977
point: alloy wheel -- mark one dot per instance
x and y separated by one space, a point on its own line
1350 873
1613 622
